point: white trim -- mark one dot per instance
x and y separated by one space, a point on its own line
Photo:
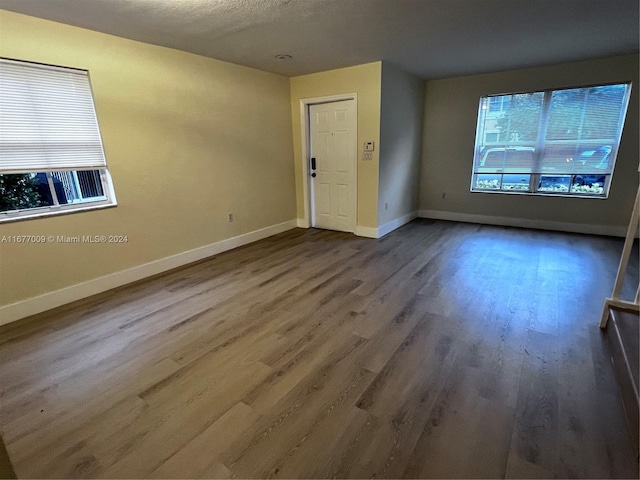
369 232
379 232
610 230
31 306
57 210
396 223
304 135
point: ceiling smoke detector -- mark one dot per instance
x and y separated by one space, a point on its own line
283 56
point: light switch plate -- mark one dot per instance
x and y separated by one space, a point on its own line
368 146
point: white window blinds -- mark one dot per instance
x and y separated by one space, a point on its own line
47 119
583 130
559 132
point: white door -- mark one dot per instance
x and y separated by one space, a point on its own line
332 166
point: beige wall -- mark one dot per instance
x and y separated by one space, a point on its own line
450 115
400 143
188 139
364 80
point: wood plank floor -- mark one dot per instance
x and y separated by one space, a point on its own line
442 350
623 336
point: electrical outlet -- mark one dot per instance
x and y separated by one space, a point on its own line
230 217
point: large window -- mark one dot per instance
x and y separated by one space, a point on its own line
553 142
51 155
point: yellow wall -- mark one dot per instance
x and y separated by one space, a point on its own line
188 139
365 81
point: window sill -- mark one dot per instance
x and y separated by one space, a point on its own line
542 194
52 211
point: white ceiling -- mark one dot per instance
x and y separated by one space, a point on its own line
430 38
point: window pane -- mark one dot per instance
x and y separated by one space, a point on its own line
44 189
559 184
515 182
593 184
487 182
21 191
80 186
90 184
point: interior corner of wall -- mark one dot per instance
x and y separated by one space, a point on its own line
368 232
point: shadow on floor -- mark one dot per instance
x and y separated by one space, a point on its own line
6 470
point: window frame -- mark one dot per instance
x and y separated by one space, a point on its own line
65 208
107 200
535 175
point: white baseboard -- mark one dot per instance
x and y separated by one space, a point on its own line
396 223
381 231
31 306
610 230
369 232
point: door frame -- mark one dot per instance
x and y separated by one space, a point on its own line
305 103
